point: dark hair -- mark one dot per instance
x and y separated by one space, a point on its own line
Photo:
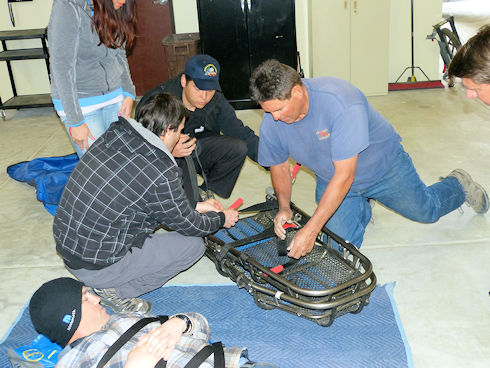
114 27
188 78
161 112
273 80
473 59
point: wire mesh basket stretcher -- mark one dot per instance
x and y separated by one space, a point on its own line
321 286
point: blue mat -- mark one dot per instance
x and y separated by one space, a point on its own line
372 338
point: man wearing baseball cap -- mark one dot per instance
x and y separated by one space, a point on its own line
65 312
214 137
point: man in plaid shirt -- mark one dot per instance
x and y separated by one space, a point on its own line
125 187
65 312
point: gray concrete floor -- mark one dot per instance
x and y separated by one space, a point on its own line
441 270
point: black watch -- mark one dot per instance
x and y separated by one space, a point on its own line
187 320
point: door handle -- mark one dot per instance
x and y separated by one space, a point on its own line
355 6
249 4
242 5
160 2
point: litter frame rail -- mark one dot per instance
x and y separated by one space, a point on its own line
325 284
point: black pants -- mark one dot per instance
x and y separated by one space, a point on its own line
221 158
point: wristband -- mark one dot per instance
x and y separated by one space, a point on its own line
186 319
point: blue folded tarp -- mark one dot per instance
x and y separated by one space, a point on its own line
48 175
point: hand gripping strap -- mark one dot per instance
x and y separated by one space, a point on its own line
126 336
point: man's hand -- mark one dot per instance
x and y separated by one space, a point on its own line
157 344
184 146
126 108
80 136
231 217
139 357
283 216
332 197
209 205
302 243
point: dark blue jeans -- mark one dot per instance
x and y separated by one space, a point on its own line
401 190
221 158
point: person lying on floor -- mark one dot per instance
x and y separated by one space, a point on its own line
125 187
64 311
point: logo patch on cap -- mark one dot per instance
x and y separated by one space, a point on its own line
67 319
210 70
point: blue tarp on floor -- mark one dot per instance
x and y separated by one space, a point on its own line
48 175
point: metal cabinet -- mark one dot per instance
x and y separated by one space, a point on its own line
350 40
241 34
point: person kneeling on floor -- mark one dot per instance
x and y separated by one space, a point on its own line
125 187
329 126
64 311
214 140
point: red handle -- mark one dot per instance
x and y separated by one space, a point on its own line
236 204
277 269
287 225
295 170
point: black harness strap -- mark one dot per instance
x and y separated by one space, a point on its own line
191 168
196 361
126 336
216 349
193 177
162 364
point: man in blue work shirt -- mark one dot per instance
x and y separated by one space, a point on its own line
327 125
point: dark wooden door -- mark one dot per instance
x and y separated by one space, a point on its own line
147 58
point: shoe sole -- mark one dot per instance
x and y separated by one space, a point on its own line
485 210
464 173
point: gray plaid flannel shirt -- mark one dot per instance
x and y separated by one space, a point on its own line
88 352
123 188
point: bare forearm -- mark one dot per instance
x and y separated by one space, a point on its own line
331 199
282 184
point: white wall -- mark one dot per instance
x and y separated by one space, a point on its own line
303 34
30 75
185 16
469 15
426 52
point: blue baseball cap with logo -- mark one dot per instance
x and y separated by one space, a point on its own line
204 71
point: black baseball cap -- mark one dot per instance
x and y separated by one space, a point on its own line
204 71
